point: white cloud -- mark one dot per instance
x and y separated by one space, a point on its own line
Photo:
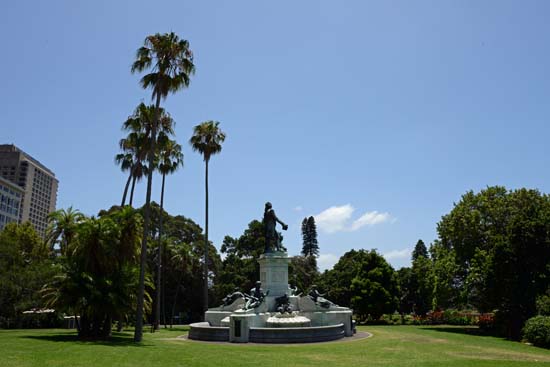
298 208
334 219
326 261
337 218
370 219
398 254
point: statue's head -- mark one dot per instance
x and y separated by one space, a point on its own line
258 284
313 287
268 206
236 289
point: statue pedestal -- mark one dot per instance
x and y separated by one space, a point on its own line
274 273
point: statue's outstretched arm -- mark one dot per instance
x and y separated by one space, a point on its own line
280 221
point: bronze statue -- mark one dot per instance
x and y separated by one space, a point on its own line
318 297
272 238
283 304
232 297
256 296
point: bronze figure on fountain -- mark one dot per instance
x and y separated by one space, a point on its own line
272 238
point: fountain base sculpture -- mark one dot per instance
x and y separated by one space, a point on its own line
276 315
307 321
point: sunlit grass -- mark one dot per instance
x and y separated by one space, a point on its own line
389 346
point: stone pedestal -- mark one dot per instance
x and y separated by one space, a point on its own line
274 273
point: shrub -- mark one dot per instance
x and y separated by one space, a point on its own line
537 331
486 322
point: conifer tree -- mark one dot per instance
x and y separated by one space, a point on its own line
310 245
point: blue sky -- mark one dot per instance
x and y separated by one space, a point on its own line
375 116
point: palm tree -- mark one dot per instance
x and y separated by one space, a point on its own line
170 159
207 139
62 225
171 64
136 145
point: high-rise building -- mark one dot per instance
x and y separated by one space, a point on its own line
10 202
38 185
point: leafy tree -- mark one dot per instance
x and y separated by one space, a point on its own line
310 246
422 285
374 287
364 280
502 246
407 289
446 280
303 272
25 265
171 63
240 268
207 139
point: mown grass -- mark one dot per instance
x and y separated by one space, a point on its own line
389 346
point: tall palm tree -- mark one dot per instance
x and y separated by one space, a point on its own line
170 159
136 145
170 62
207 139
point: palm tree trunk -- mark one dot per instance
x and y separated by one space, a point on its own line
126 189
206 241
159 268
132 191
138 333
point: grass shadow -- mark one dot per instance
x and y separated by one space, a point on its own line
466 330
120 340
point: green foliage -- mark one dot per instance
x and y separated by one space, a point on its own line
363 280
501 243
99 271
420 250
25 265
416 284
310 246
446 286
543 305
302 272
537 331
240 267
207 139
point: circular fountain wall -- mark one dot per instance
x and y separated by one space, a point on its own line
310 320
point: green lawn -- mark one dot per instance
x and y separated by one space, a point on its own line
389 346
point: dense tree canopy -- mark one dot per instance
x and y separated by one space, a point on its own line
25 264
363 280
501 241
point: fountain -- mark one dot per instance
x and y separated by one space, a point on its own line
277 315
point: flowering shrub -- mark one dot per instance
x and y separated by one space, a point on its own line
486 321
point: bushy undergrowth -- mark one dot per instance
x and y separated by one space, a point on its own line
447 317
537 331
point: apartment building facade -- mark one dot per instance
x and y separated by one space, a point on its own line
38 183
10 202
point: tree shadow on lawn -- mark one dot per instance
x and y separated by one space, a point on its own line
466 330
113 341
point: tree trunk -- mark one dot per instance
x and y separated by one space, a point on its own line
126 189
206 241
138 333
132 191
159 267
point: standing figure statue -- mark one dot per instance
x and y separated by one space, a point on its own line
272 238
